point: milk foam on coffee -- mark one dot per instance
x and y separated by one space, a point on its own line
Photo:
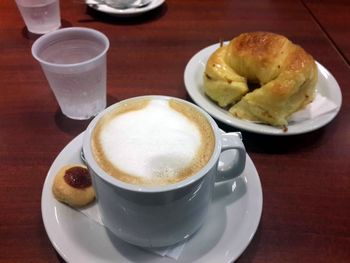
152 145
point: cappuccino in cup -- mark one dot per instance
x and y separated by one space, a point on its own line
154 162
152 141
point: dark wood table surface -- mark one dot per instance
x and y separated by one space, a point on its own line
305 178
333 16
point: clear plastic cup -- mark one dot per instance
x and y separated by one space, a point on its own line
74 62
40 16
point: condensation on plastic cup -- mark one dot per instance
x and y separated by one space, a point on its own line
74 63
40 16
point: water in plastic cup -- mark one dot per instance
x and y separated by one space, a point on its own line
74 62
40 16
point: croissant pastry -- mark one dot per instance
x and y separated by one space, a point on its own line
286 73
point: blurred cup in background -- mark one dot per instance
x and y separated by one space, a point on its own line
40 16
74 63
120 3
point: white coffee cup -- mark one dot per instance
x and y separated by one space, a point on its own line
156 216
120 3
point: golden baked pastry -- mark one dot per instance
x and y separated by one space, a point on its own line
222 84
72 186
287 75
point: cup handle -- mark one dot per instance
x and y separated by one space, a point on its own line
233 157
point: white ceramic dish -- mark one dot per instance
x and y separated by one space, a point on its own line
230 225
327 86
123 12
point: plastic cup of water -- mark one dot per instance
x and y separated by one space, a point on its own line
74 63
40 16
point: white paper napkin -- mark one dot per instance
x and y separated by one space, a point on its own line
320 106
173 252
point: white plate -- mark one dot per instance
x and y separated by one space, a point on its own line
123 12
230 225
327 86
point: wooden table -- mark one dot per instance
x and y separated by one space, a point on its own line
305 178
334 19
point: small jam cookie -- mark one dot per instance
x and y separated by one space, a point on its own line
72 185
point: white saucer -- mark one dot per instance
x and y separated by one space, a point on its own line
327 86
123 12
230 226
